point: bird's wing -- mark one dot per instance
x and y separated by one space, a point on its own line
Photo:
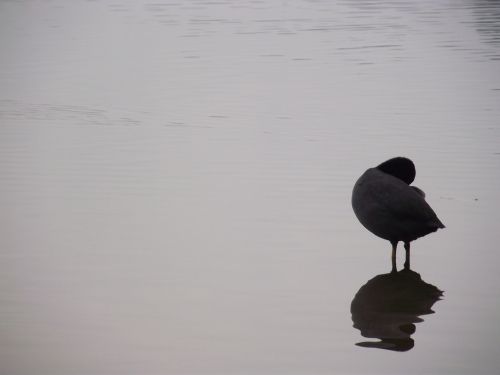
403 201
419 191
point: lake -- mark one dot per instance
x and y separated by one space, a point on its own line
176 178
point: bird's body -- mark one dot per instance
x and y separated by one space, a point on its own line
386 204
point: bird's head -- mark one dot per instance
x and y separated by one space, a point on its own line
400 167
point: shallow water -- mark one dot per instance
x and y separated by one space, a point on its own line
176 176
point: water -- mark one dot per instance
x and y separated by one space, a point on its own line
176 176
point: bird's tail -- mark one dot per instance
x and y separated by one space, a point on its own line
440 225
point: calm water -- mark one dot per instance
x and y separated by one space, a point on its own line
176 176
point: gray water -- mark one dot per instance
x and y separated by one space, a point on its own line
175 182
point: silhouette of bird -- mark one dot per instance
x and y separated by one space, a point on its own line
386 205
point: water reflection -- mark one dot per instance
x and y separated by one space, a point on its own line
487 14
387 307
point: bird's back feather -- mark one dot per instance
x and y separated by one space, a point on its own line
391 209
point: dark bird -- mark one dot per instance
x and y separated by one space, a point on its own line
386 205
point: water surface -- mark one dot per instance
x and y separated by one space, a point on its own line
176 176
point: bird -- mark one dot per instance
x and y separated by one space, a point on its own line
386 205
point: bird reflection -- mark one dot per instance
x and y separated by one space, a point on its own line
388 306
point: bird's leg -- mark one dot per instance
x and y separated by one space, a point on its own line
407 260
393 258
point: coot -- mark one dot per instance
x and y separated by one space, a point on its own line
386 205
